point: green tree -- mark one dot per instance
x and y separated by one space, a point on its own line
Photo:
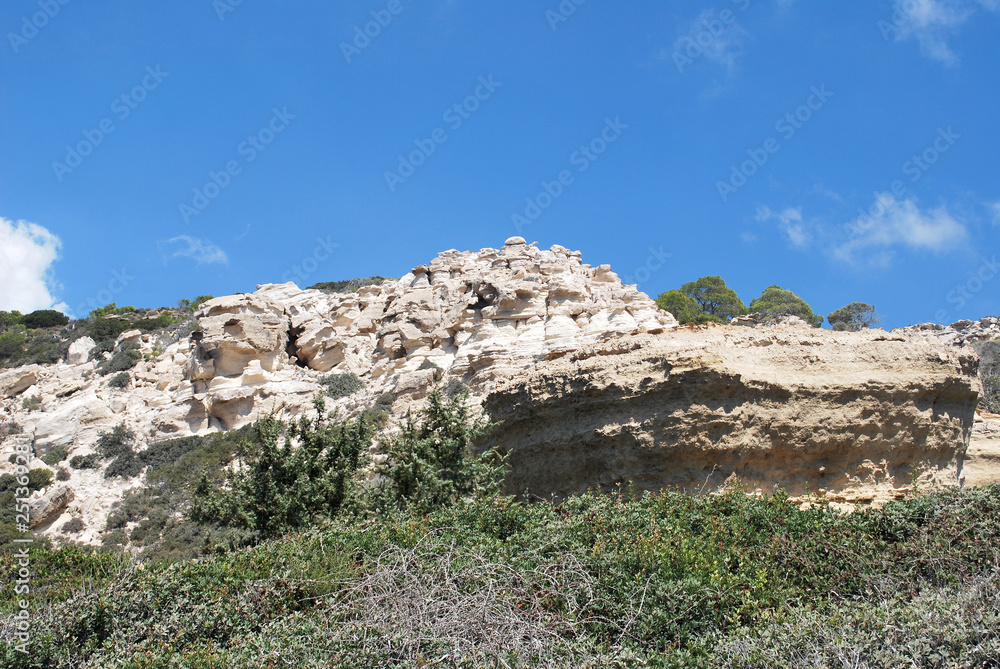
715 298
192 305
681 305
292 476
9 318
775 302
431 464
44 318
855 316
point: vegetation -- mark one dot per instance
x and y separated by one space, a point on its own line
666 580
290 479
125 358
55 456
120 380
704 300
776 302
855 316
46 318
348 286
33 403
989 372
195 304
341 385
91 461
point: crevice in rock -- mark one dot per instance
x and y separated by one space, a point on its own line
292 349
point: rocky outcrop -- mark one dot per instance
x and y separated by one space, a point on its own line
857 415
594 382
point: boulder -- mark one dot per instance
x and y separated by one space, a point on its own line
16 381
79 351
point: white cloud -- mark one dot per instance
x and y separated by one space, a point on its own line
895 224
201 251
712 39
932 22
995 212
789 222
27 253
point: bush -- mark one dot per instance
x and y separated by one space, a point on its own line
125 466
117 442
120 380
125 358
56 455
854 317
91 461
9 428
775 302
348 286
431 463
46 318
62 474
72 526
341 385
292 477
39 478
33 403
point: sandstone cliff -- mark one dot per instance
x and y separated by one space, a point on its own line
594 383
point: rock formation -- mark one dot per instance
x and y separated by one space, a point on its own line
858 416
595 384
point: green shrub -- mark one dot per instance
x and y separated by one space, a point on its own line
119 441
9 428
378 413
161 322
284 485
125 466
120 380
45 318
701 301
72 526
91 461
348 286
56 455
33 403
39 478
126 357
776 302
431 463
341 385
62 474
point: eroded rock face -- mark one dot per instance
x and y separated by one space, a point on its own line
856 414
596 383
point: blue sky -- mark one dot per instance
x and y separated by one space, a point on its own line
845 151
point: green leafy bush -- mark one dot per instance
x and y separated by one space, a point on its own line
33 403
855 316
126 357
56 455
431 463
776 302
45 318
116 442
292 476
92 461
349 285
341 385
120 380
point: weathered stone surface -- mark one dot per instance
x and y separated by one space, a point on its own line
48 506
79 351
16 381
558 339
808 410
